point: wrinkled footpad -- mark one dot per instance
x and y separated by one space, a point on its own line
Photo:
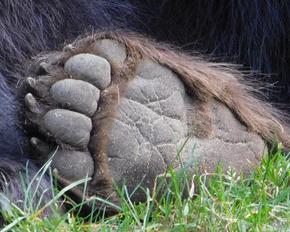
63 98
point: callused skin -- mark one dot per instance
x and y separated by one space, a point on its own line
123 117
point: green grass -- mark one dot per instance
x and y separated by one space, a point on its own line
212 202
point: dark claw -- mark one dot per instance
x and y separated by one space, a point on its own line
38 86
68 48
40 147
42 69
30 82
31 103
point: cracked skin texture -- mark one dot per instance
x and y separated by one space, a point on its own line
153 118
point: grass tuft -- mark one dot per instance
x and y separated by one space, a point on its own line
181 202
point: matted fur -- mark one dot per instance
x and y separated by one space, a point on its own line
207 80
